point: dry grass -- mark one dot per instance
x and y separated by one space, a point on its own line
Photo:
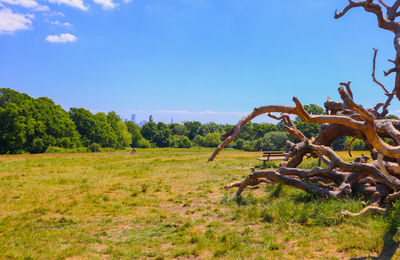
167 203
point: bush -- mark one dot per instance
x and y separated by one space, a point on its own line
184 142
144 143
94 148
54 149
274 141
109 149
212 140
357 145
37 146
199 140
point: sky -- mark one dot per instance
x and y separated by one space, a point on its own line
205 60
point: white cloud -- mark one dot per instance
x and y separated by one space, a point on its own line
207 112
62 38
27 4
56 22
172 112
106 4
73 3
127 1
11 22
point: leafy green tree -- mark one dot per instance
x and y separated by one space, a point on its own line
210 127
178 129
180 141
212 140
32 125
93 128
149 130
247 132
143 143
162 136
391 117
124 138
158 134
199 140
357 145
193 128
259 130
184 142
273 141
136 135
104 133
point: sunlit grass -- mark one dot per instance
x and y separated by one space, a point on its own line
166 203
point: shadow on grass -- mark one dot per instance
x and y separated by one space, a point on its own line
390 239
389 248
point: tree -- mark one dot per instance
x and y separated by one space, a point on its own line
158 134
260 130
93 128
377 180
124 138
193 128
32 125
199 140
149 130
273 141
178 129
136 135
180 141
212 140
162 136
208 128
391 117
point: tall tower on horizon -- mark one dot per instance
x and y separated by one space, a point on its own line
133 118
172 120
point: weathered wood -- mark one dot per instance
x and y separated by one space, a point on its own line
378 180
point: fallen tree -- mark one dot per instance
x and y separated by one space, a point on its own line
379 179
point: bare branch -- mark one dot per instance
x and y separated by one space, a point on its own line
290 127
370 7
372 208
358 108
392 131
349 145
387 73
366 127
373 72
347 85
392 197
383 169
382 3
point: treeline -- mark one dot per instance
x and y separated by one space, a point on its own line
38 125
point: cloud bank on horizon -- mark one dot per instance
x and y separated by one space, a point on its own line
19 15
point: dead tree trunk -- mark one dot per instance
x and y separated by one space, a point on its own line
380 179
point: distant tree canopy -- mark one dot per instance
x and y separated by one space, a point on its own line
32 125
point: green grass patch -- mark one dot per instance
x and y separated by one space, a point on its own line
169 203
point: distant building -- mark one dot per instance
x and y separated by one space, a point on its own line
172 120
141 123
133 118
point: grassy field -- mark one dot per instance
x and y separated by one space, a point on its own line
169 203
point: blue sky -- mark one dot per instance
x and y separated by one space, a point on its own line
206 60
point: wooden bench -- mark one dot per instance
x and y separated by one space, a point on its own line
273 156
